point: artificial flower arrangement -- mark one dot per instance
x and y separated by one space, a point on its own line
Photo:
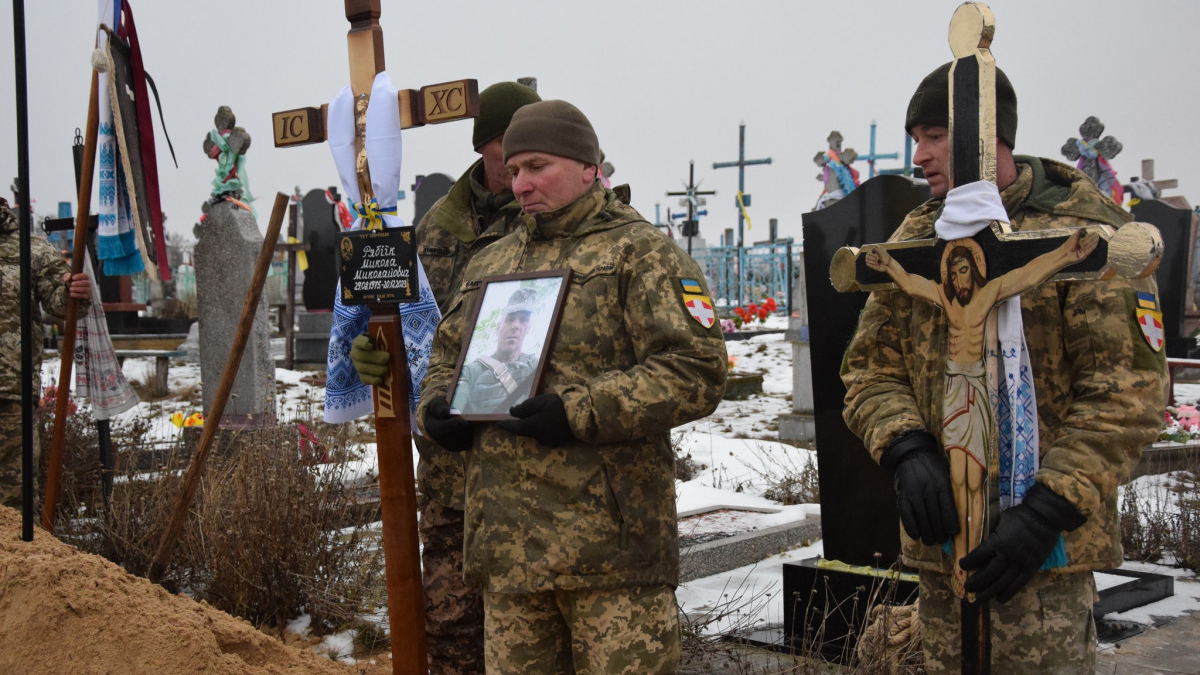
1181 424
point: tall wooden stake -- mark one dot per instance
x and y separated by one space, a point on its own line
67 348
195 470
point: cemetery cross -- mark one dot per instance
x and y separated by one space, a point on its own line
397 487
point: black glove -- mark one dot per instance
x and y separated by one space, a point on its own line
1024 538
924 496
371 364
452 433
544 418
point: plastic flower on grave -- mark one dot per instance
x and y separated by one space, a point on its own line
196 419
50 399
731 363
177 419
763 314
752 310
1188 415
740 312
769 303
727 326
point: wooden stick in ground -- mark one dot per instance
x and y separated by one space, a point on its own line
67 349
195 470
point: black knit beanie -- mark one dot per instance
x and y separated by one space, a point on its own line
930 104
497 104
553 127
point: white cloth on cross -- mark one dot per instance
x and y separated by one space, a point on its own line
346 397
968 210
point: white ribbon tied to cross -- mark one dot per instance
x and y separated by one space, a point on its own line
968 210
346 397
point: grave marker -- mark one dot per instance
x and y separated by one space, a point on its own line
397 486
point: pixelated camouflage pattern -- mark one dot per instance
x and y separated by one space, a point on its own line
629 363
624 631
453 610
1100 388
448 236
10 455
49 291
1046 629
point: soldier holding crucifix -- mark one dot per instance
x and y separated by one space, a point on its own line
1095 386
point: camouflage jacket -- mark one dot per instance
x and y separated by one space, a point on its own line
630 363
49 291
448 236
1100 386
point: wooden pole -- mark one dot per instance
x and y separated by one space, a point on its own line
67 349
195 469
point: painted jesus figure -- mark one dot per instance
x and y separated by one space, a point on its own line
968 297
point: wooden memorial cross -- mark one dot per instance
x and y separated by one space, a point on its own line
969 278
397 486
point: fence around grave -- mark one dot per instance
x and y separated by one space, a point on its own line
738 277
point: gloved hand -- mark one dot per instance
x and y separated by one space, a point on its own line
544 418
924 496
1025 536
371 364
452 433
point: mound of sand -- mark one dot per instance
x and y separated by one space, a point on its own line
63 611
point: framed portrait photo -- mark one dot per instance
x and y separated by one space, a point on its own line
506 342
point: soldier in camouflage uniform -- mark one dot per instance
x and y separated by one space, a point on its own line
478 210
571 522
1100 383
50 287
494 383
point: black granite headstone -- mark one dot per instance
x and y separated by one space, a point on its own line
1175 226
428 190
320 233
859 523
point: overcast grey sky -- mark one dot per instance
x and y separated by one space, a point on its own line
663 82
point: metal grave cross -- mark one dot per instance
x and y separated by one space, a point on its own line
437 103
743 199
957 276
691 197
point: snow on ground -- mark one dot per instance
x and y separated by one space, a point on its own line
738 455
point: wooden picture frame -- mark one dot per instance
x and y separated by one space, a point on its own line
506 341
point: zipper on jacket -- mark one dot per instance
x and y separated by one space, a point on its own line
612 498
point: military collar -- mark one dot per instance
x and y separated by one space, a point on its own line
576 217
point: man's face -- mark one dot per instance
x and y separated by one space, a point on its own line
964 282
498 180
933 156
513 329
544 182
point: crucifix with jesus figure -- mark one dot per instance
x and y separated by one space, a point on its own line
970 278
348 124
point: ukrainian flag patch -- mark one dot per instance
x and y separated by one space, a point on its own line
698 305
1150 321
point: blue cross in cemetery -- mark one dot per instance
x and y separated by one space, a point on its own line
743 199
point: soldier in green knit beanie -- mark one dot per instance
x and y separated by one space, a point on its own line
479 209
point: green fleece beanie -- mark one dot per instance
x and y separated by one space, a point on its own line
497 104
930 104
553 127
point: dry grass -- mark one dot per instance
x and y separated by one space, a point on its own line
272 532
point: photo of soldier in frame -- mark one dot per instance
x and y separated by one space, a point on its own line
511 329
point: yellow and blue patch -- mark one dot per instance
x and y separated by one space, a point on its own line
1150 320
698 305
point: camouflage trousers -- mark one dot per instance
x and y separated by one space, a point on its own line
453 611
10 455
617 631
1046 628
